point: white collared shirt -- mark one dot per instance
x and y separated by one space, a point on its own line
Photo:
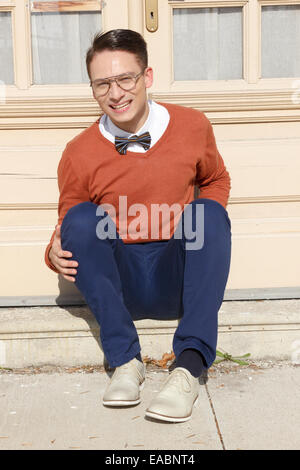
156 123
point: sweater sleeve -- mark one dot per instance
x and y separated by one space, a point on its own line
212 178
72 191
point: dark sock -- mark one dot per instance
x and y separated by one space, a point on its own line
192 360
139 357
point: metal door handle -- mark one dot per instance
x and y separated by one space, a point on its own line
151 11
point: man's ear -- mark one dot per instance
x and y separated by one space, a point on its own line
148 77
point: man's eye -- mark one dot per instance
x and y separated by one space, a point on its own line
102 84
125 79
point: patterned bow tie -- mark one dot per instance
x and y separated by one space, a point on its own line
121 143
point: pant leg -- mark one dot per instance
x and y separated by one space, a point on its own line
99 282
204 280
190 283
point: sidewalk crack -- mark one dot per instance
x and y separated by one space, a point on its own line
215 418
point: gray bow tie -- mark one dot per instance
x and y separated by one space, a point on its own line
121 143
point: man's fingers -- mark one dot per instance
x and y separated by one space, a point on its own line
60 257
56 247
64 264
69 278
57 243
64 254
68 271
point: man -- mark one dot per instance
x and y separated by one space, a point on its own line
130 266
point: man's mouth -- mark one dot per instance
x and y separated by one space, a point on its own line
121 107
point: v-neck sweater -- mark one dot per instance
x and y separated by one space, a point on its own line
186 155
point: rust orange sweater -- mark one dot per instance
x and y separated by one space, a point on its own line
186 155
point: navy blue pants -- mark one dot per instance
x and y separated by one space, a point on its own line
122 282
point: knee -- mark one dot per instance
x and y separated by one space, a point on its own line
213 211
210 204
207 221
79 217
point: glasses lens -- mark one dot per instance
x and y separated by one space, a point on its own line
100 88
127 82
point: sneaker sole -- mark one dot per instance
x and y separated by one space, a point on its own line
121 403
170 419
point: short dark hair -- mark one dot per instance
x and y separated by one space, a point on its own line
119 40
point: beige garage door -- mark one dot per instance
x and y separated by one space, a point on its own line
218 57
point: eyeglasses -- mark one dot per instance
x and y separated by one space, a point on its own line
126 81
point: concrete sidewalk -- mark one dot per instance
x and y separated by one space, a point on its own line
240 407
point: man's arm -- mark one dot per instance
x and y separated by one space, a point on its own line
212 177
72 191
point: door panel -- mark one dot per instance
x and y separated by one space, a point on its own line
201 49
259 143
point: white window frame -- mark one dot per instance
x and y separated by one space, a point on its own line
27 105
251 98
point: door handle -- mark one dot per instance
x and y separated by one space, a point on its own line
151 11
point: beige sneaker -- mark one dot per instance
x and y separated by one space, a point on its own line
125 385
175 401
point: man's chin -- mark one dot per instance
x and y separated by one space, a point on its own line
123 121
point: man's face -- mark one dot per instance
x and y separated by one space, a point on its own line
127 109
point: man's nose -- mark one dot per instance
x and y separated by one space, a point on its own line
115 91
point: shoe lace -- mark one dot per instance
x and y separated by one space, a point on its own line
122 370
178 378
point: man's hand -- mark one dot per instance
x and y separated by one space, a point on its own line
57 257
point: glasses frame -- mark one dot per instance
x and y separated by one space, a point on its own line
111 80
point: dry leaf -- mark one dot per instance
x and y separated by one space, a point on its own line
147 359
72 369
162 363
166 358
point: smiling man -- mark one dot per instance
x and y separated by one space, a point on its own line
146 157
123 99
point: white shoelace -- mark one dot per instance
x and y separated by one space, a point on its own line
179 378
123 370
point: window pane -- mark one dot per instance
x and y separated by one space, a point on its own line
208 43
280 36
59 44
6 49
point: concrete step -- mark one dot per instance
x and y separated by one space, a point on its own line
66 336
